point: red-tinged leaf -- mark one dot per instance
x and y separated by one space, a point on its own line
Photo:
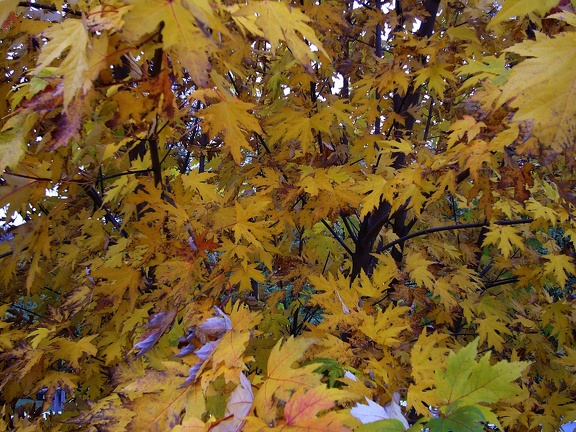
303 411
206 245
282 378
68 125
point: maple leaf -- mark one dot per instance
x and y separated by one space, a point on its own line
72 351
281 379
70 36
161 402
199 182
489 67
559 266
377 189
468 126
277 22
232 119
13 139
466 419
505 237
542 90
271 153
386 326
514 8
417 265
301 411
467 382
188 36
435 74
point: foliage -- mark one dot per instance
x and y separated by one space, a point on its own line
258 215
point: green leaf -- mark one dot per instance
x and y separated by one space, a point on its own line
466 418
467 382
13 139
388 425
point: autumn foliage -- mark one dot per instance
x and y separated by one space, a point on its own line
288 216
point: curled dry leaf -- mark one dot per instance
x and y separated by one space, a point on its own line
373 412
239 406
155 329
215 327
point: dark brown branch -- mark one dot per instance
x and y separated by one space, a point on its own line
263 143
155 159
22 309
111 176
500 282
49 7
93 194
450 228
337 237
6 254
429 120
372 223
351 232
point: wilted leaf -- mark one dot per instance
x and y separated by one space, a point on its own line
373 412
157 325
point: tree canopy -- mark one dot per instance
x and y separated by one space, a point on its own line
327 215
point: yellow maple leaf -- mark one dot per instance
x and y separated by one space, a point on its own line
417 265
14 138
385 327
72 351
492 331
276 21
435 74
515 8
558 266
558 315
188 36
468 126
71 37
231 117
427 347
489 67
543 89
282 379
505 237
158 400
199 182
377 189
296 126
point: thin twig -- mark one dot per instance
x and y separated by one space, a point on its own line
337 237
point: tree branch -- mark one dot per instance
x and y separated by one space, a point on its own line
93 194
450 228
337 237
49 7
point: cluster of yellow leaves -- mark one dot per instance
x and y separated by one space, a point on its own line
254 215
